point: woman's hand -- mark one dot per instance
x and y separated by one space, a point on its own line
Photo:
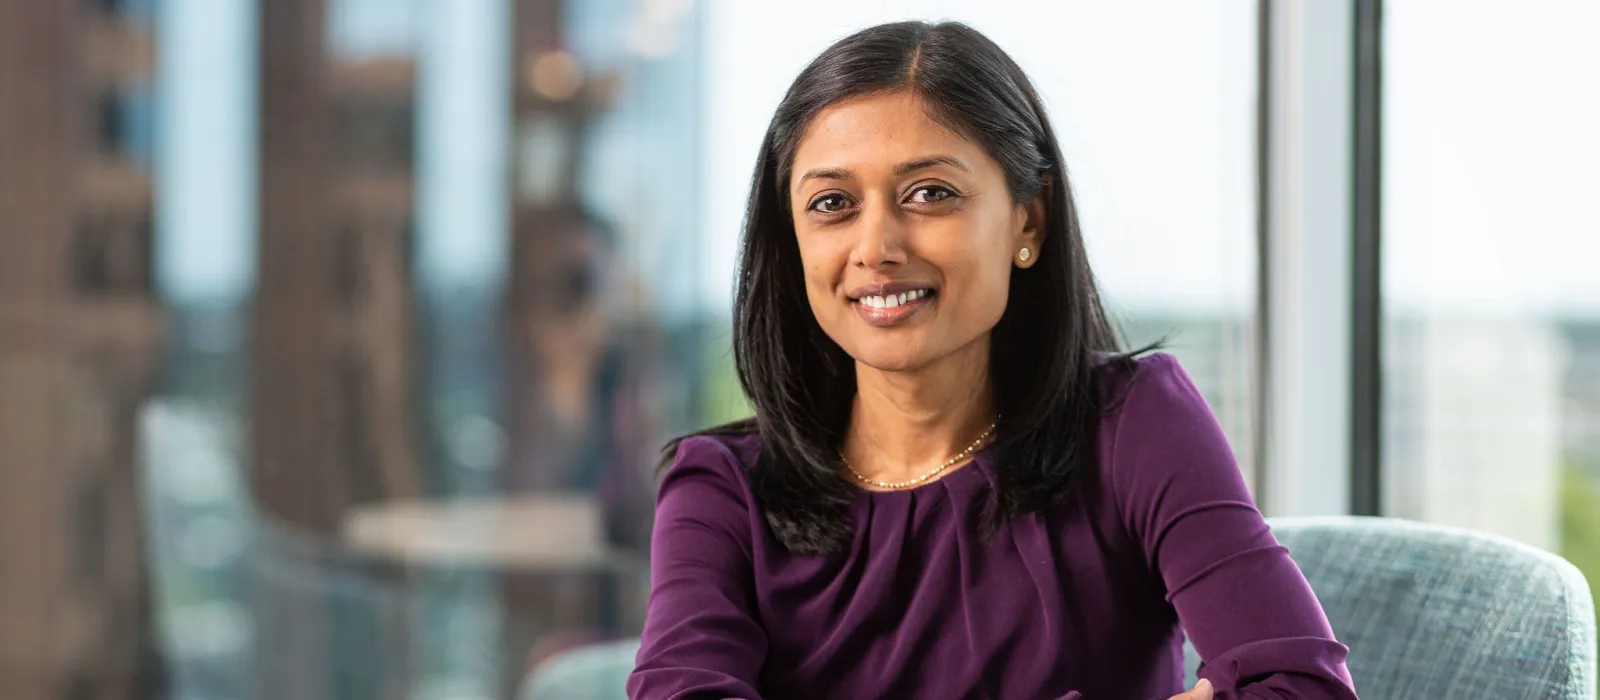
1200 691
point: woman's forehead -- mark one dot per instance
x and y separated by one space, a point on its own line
876 132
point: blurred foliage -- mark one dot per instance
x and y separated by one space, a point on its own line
724 398
1580 522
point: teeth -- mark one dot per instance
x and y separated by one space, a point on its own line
893 300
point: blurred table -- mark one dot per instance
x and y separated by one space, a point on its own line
554 533
558 576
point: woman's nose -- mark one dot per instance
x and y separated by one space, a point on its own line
882 236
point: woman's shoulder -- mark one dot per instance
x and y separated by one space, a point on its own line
722 454
1156 422
707 485
1150 393
731 448
1119 377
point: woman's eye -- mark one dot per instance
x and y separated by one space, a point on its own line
829 204
931 194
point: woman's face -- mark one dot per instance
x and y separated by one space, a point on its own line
907 232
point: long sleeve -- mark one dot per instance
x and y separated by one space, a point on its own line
1239 597
701 640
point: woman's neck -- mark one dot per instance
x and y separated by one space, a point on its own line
904 424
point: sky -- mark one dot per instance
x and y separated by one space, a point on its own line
1492 156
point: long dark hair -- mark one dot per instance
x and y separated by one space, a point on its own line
1044 351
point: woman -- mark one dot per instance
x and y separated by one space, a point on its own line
954 486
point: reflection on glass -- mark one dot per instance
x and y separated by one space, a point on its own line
420 348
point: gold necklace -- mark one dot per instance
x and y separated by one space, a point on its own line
900 485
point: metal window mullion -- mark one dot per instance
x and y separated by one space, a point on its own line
1306 257
1366 313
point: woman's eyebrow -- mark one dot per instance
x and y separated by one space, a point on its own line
930 161
901 169
823 174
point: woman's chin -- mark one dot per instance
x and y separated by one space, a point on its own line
890 357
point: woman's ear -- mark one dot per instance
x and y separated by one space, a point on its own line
1033 226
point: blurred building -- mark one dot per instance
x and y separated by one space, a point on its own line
1581 393
576 361
349 355
332 349
1473 407
80 331
333 303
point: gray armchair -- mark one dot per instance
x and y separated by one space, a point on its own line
597 672
1437 612
1427 611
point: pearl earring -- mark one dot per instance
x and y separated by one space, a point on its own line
1024 254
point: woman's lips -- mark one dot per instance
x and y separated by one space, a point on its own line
889 310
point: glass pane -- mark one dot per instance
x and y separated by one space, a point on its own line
426 344
1492 304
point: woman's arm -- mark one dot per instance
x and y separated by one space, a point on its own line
1240 598
701 640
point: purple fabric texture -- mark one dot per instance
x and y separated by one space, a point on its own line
1090 600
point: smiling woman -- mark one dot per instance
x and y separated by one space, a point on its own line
955 483
888 205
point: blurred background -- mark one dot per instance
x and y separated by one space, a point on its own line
338 338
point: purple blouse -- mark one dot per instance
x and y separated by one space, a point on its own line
1082 602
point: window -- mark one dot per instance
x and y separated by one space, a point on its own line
1491 302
